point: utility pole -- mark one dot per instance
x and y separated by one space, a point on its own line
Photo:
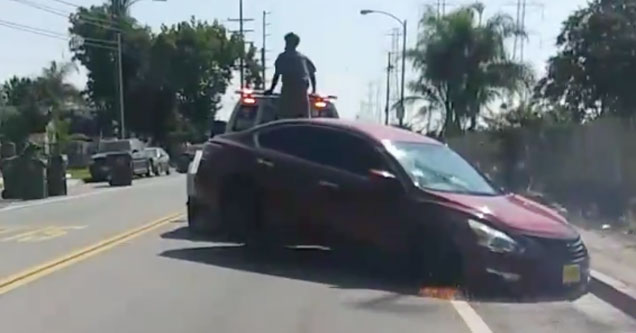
264 50
395 50
119 13
241 20
120 85
387 108
521 7
242 55
402 111
523 26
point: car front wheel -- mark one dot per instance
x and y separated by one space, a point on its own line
436 262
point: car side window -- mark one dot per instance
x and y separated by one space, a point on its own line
347 152
291 140
324 146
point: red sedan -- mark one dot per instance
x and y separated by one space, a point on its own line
340 183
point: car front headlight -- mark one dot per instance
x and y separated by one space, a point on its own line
493 239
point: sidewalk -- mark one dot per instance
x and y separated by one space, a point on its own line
613 255
74 187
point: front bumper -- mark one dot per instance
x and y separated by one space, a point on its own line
99 171
548 267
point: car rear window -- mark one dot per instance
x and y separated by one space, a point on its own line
245 117
114 146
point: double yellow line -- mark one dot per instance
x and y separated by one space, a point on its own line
34 273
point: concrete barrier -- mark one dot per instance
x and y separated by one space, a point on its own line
615 292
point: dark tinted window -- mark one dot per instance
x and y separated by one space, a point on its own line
268 111
324 146
245 118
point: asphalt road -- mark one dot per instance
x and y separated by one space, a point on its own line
159 279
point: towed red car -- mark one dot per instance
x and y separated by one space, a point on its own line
340 183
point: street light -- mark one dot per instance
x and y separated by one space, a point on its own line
403 23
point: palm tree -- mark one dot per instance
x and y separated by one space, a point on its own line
52 89
55 94
463 64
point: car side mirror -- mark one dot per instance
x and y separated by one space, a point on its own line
135 151
384 181
218 128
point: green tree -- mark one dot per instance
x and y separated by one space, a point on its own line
94 47
197 61
463 65
54 93
22 113
593 73
177 75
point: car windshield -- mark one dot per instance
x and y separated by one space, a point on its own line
436 167
114 146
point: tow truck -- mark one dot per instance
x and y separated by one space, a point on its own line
255 108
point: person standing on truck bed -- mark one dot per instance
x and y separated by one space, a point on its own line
297 72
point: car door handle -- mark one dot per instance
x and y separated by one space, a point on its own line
264 162
327 184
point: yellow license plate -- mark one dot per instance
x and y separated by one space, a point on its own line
571 274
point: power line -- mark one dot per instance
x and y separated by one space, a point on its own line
92 42
33 31
50 32
98 22
66 3
22 26
47 9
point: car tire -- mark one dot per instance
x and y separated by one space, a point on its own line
436 261
241 213
155 169
149 168
201 219
168 170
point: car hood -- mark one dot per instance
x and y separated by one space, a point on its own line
511 212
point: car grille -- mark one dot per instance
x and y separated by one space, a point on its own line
567 250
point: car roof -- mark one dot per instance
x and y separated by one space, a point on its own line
375 131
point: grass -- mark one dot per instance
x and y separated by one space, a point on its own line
81 174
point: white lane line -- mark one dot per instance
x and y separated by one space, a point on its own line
78 196
474 322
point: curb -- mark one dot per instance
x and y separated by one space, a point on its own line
615 292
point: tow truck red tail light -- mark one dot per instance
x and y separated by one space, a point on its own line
247 97
319 102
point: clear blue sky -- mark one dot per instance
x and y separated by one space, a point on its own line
348 49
